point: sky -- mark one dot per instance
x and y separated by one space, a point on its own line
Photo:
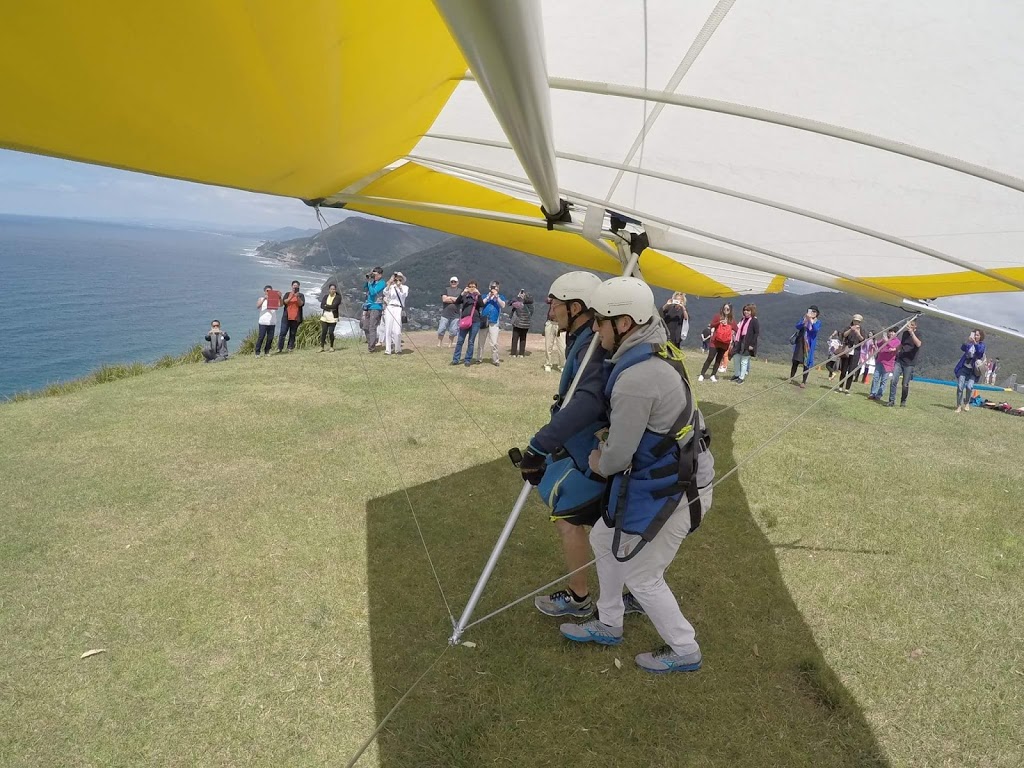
34 185
43 186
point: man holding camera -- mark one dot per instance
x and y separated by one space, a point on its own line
373 307
395 295
216 348
494 302
910 345
291 318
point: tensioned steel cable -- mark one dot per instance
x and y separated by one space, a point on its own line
382 723
718 481
408 498
796 376
394 456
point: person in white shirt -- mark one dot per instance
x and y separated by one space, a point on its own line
269 304
395 294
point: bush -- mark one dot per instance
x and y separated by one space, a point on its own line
307 337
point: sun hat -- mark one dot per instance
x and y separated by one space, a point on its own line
858 318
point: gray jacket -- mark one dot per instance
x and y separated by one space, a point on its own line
648 395
217 344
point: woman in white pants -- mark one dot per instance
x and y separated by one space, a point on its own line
395 294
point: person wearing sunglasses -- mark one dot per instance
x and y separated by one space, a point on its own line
655 454
449 320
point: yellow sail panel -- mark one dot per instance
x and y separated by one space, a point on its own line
297 99
414 182
949 283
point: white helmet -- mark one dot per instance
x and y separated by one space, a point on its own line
575 286
624 296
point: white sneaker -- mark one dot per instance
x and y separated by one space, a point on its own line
547 369
713 379
700 378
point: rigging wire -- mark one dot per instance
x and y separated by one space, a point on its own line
391 449
718 480
381 724
643 124
793 378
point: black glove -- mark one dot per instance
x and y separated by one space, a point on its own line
531 466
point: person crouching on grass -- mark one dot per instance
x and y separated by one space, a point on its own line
216 348
656 458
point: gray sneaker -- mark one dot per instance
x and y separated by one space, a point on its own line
592 631
666 660
632 605
561 603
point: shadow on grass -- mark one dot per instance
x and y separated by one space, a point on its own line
524 696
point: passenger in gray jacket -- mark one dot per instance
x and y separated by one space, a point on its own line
660 476
216 348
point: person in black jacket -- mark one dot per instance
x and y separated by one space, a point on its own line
744 346
676 318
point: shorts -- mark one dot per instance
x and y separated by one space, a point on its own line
586 515
449 325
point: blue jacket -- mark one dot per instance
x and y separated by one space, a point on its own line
492 310
971 352
373 295
587 405
812 339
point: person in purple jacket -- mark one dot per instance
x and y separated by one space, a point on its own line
803 341
966 370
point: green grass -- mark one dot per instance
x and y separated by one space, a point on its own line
238 537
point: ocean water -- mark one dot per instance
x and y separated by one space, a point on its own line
81 294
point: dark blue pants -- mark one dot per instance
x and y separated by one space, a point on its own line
266 332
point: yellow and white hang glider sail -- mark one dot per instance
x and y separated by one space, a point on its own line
873 147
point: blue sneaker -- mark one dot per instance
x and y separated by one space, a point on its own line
632 605
592 631
562 603
666 660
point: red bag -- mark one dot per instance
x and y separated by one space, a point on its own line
723 335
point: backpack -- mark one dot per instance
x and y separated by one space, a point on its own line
723 334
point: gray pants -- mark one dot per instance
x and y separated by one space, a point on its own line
371 319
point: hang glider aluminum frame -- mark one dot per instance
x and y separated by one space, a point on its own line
763 201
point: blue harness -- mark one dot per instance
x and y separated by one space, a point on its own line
568 486
643 497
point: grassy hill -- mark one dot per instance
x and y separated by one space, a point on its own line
240 540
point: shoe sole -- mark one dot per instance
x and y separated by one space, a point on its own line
578 614
592 639
681 668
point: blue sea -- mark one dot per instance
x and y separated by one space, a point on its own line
80 294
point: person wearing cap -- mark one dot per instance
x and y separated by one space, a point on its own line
395 295
660 476
554 343
803 341
449 320
566 484
494 302
373 307
849 353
